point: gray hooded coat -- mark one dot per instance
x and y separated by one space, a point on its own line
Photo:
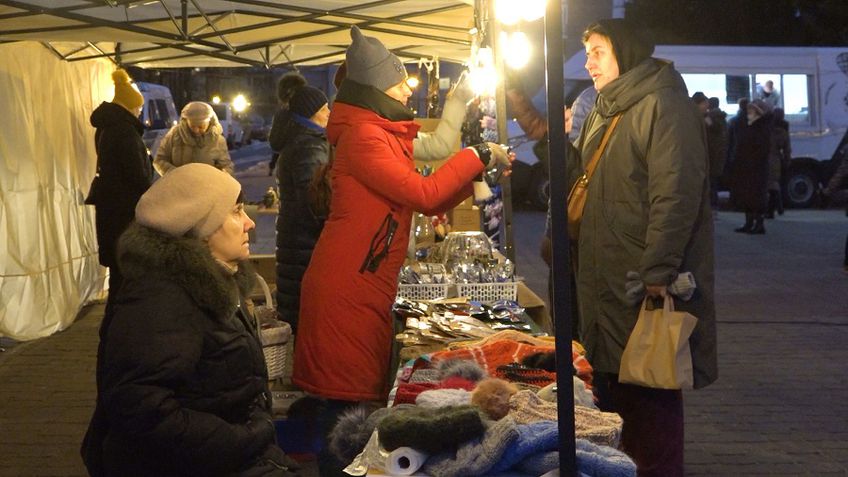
180 147
647 210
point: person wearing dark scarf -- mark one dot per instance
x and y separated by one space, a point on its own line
304 151
343 347
647 212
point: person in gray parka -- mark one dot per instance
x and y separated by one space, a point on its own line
647 211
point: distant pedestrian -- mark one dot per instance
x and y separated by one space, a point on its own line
735 126
780 155
750 175
769 94
197 138
716 122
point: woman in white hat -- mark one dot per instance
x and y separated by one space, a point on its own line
198 137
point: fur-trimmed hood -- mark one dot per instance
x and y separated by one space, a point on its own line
145 254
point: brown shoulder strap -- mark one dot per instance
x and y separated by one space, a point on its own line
596 157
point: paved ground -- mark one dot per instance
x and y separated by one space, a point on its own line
779 407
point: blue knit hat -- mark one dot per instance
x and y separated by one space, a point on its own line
307 101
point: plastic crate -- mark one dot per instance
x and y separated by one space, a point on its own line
488 291
422 291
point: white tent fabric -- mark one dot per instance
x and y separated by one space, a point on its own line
49 264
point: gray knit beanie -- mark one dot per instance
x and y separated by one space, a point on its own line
194 198
369 62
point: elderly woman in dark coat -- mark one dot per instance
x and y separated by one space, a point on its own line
182 383
750 176
304 150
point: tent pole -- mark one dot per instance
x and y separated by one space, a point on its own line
507 238
561 301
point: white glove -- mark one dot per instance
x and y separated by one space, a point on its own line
501 157
462 89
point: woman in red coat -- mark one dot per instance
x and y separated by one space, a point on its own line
344 341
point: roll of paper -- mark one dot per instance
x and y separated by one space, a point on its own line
405 461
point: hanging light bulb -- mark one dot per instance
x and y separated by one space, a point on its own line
482 75
516 48
509 12
532 10
412 82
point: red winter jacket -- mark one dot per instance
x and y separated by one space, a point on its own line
343 346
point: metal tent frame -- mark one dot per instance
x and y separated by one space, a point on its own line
224 33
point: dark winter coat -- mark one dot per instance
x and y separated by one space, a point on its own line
780 155
304 151
647 210
716 123
345 334
750 170
125 174
735 126
182 383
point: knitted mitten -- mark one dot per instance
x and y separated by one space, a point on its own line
430 430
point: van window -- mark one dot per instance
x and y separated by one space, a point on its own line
158 116
220 111
794 89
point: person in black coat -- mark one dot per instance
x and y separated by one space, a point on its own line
182 383
124 173
304 150
749 187
286 87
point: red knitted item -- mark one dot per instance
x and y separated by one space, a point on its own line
491 355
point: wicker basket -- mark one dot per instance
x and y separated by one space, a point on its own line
422 291
273 333
488 291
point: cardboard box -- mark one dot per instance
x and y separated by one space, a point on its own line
464 220
467 204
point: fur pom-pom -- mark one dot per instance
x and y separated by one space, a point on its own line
120 76
463 368
492 397
352 431
288 84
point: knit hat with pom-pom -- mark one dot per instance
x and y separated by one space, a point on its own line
287 85
126 93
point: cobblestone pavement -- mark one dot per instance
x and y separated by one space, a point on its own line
778 408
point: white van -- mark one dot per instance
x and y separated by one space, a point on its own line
230 124
812 82
158 114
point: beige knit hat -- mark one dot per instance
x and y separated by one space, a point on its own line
194 198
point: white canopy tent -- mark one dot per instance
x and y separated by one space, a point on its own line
55 65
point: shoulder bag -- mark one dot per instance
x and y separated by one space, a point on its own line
577 196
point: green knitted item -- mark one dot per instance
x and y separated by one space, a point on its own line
430 430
